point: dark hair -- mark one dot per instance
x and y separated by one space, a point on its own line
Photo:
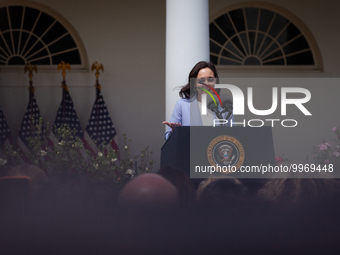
185 91
227 192
295 191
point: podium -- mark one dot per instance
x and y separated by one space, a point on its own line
176 150
197 147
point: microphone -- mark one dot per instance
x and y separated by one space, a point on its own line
214 108
227 106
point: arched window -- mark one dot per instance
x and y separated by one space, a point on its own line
30 32
263 36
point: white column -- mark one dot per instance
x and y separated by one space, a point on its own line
187 42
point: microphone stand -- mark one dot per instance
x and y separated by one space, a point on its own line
227 107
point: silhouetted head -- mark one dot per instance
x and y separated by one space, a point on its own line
149 190
228 192
37 176
295 191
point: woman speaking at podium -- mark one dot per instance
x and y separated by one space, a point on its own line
202 79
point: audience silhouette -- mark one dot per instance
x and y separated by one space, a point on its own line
159 214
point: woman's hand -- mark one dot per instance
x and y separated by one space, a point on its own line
172 124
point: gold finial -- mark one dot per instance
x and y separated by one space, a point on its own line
63 66
97 67
30 68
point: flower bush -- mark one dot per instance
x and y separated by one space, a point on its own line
63 152
281 160
328 152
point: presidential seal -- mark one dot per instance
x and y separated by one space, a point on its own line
226 152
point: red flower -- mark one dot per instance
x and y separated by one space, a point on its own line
279 160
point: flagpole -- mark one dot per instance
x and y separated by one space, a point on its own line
30 68
62 66
96 66
100 129
31 118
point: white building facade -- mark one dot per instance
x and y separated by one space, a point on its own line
147 49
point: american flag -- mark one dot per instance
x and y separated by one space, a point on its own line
31 117
5 135
67 116
100 127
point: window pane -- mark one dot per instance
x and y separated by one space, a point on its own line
72 57
238 19
252 42
278 24
217 35
2 54
44 61
2 60
275 54
275 62
15 13
252 16
238 44
224 61
244 41
230 55
45 21
265 19
214 59
16 35
16 60
8 41
3 19
3 46
290 33
296 45
305 58
252 61
54 33
232 48
214 48
272 48
31 16
24 38
266 42
259 39
64 43
40 54
224 23
30 43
